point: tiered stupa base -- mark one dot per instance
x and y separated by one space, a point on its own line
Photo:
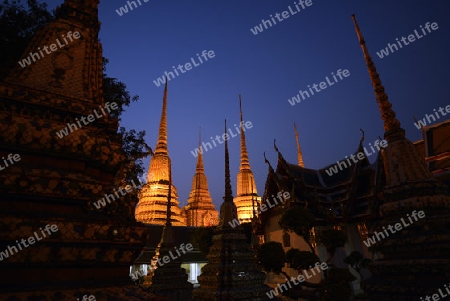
232 272
170 279
416 262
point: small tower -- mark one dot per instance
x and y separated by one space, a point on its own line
153 196
246 193
200 211
232 272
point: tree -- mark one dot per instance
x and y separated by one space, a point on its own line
272 257
301 260
300 221
17 26
331 240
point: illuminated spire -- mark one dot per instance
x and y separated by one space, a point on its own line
391 123
200 166
246 192
245 164
200 211
299 150
161 147
152 206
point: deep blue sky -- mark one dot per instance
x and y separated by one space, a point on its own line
269 68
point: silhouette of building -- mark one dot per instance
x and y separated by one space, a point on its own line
58 177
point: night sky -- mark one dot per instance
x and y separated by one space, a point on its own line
268 69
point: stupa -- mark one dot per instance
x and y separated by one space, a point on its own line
169 278
232 272
415 260
200 210
65 167
153 196
246 193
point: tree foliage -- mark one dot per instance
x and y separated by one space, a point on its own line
116 91
300 221
332 239
301 260
18 24
272 257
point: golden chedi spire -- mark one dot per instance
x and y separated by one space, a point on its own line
200 211
153 197
245 163
200 167
161 146
299 150
246 192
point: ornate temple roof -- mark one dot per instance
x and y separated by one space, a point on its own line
182 234
344 196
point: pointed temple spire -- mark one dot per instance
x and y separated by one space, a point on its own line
218 280
228 197
402 162
200 210
200 167
299 150
245 164
161 146
407 186
391 123
246 191
154 195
